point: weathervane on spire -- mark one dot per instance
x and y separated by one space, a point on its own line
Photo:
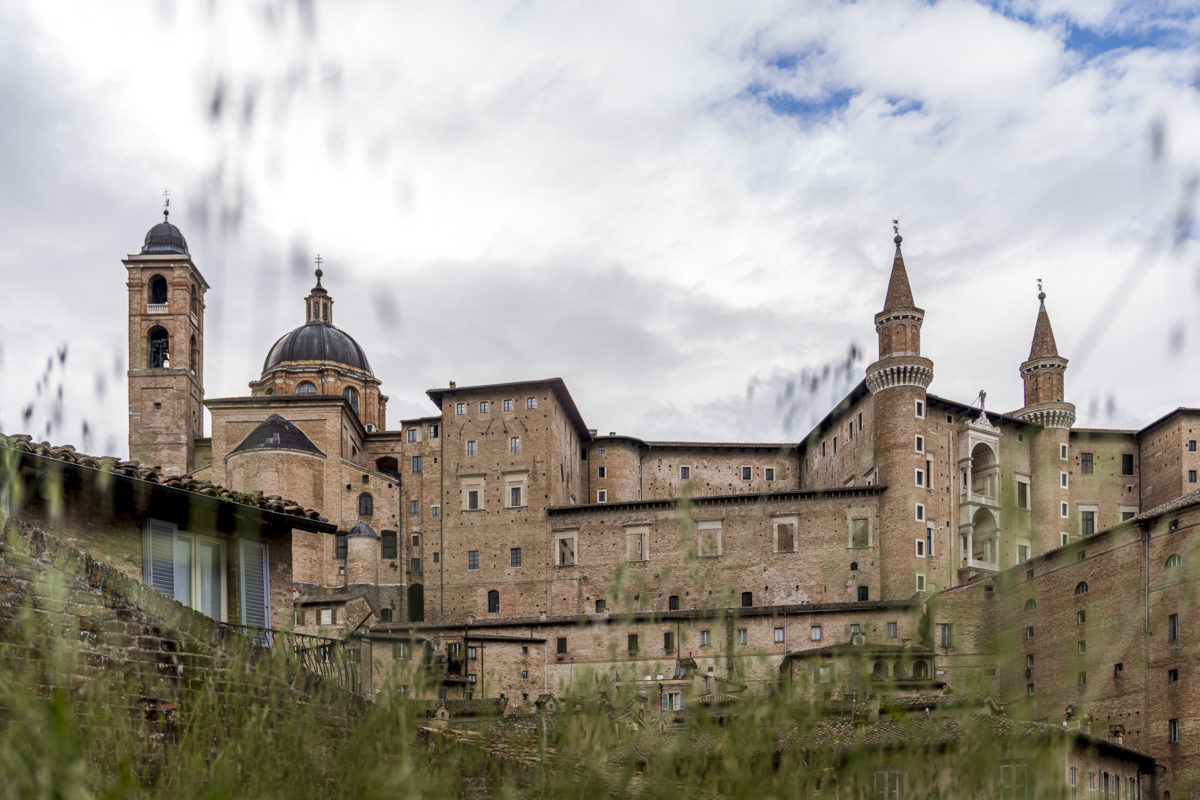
166 204
1041 294
319 261
896 230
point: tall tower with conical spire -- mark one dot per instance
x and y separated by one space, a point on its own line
1052 418
898 380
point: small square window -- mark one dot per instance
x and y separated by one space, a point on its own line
531 402
460 408
747 473
779 636
685 473
769 474
599 451
483 406
814 633
507 405
601 495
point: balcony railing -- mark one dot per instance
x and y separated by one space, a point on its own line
329 658
156 308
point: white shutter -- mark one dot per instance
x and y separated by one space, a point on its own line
254 590
158 556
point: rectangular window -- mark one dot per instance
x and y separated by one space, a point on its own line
1062 452
779 636
483 406
416 465
920 444
814 633
514 557
632 644
433 431
472 499
669 642
1022 494
747 599
460 408
920 548
705 638
1191 476
920 582
601 495
824 673
1081 646
325 616
1014 781
1029 632
1062 480
685 473
436 556
1080 617
1085 463
414 507
708 540
946 634
564 551
1173 731
601 472
889 784
514 444
892 630
472 653
508 405
1173 628
768 473
401 650
672 701
1081 679
1173 676
920 512
416 540
515 500
636 548
834 451
860 422
747 473
1075 782
387 544
864 594
412 435
435 511
472 559
339 546
920 477
1118 671
673 603
920 409
860 533
560 646
1191 445
1063 510
601 605
471 447
785 536
531 402
1087 523
1127 463
414 564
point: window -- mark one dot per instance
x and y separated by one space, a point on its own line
1063 510
1173 731
564 551
1127 463
946 631
560 646
416 465
460 408
747 599
514 444
483 406
1029 661
1191 476
1173 675
515 500
387 544
472 559
685 473
747 473
920 409
672 701
472 653
435 511
1029 690
412 435
920 477
531 402
339 546
768 474
601 605
888 784
1081 646
741 636
920 582
705 638
401 650
507 405
493 601
860 533
1062 452
416 540
1081 587
1173 628
306 387
1030 605
471 447
669 641
785 536
1173 560
1023 494
779 636
600 450
514 557
920 444
920 548
1074 782
1080 617
1118 671
892 631
632 645
708 539
1014 781
601 495
637 544
1087 523
1029 632
601 472
351 395
814 633
864 594
414 507
824 673
673 603
1085 463
433 431
1062 480
436 556
920 512
192 569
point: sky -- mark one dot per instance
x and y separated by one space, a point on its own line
683 209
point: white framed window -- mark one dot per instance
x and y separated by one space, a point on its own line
460 408
919 443
920 476
566 548
637 544
435 511
531 402
685 473
471 447
920 409
814 633
325 616
920 548
483 406
779 636
191 568
507 406
768 474
601 472
1063 510
920 512
785 534
747 473
472 493
920 582
708 539
412 435
514 489
1062 480
1062 451
601 495
1064 538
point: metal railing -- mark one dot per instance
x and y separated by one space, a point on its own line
331 659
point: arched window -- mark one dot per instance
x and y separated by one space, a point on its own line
920 669
366 505
158 289
306 387
160 345
493 602
1030 604
195 303
193 355
351 395
1173 560
1081 587
854 566
880 671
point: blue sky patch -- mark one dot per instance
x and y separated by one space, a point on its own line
790 105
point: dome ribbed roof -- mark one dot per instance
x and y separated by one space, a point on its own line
317 341
165 238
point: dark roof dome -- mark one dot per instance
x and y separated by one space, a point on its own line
276 433
317 341
165 238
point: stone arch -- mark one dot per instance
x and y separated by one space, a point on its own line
306 387
388 465
157 287
920 669
160 347
880 670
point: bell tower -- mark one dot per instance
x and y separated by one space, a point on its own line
166 350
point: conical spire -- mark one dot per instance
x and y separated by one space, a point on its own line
899 294
1043 335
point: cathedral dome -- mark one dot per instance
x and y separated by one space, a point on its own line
317 341
164 238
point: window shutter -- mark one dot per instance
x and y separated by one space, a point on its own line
255 595
158 562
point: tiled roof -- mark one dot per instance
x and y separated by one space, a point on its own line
1043 336
1178 504
475 707
899 294
132 470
